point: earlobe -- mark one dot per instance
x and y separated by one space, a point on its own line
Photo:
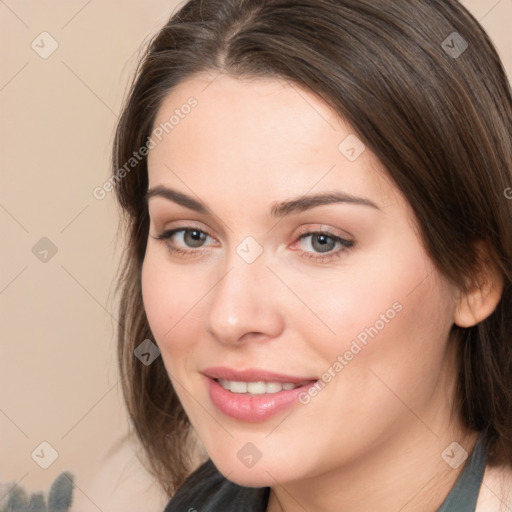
481 296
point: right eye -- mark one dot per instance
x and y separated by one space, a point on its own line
184 241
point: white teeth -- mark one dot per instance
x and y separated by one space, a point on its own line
238 387
274 387
256 388
224 383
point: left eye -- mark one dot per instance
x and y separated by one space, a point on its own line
322 242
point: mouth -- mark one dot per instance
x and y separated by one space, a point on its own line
259 387
253 395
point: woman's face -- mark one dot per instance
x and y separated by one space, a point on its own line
295 262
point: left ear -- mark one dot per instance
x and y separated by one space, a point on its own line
482 296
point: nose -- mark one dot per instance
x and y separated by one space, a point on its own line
244 304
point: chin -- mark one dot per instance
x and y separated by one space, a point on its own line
246 478
260 475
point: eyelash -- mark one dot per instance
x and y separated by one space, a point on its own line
346 245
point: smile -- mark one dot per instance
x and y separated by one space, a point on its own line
256 388
253 395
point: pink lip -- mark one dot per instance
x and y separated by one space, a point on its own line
252 375
252 408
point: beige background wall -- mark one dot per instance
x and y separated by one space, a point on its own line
58 375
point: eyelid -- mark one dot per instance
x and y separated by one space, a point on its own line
183 225
167 233
161 217
322 228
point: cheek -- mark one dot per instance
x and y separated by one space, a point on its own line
171 303
392 323
157 300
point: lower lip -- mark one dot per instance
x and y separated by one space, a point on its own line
253 408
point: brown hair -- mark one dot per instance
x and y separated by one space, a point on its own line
436 113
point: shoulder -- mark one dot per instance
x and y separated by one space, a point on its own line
496 490
207 490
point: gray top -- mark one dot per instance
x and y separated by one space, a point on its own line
206 490
464 493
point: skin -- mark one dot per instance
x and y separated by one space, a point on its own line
381 424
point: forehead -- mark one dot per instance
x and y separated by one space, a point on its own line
266 134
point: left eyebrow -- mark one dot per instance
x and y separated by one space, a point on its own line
304 203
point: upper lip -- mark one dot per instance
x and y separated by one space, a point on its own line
252 375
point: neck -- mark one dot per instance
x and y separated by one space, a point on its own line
403 470
407 476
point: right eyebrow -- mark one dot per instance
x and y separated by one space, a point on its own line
176 197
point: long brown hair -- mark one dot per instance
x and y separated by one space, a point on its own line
423 88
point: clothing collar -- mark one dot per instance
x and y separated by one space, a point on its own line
464 493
